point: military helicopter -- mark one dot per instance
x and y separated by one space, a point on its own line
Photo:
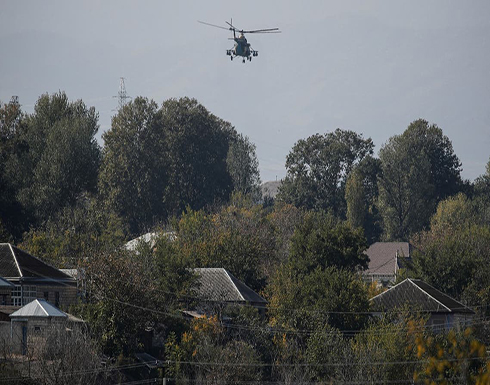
241 47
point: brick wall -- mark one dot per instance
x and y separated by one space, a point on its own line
67 295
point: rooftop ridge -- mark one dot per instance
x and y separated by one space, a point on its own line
41 306
391 288
15 259
418 287
233 283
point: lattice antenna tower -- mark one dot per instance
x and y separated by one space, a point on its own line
122 97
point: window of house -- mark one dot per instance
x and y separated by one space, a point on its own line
23 295
4 299
30 294
46 295
17 296
57 299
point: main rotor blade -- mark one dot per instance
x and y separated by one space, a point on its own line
213 25
267 30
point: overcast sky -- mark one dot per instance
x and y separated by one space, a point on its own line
368 66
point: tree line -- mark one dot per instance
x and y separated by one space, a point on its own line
178 169
155 162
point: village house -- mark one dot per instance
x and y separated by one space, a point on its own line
31 278
217 287
385 259
415 295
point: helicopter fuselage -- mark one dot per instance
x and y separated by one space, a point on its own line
242 48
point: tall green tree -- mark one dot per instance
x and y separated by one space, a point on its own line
13 220
158 161
56 156
197 145
405 191
361 196
243 166
445 166
419 168
134 170
318 167
355 198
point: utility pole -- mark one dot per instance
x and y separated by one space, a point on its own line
121 95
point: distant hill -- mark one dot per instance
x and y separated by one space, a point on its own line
270 188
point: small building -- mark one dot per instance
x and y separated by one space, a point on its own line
217 286
30 323
32 278
444 312
385 259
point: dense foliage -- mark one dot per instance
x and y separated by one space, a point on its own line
419 168
318 167
191 179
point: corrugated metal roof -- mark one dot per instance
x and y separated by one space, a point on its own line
16 263
150 238
218 284
70 272
382 257
419 295
8 266
38 308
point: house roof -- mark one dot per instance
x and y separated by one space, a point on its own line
271 188
418 294
218 284
16 263
382 255
150 238
5 284
39 308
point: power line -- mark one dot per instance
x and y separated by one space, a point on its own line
275 330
